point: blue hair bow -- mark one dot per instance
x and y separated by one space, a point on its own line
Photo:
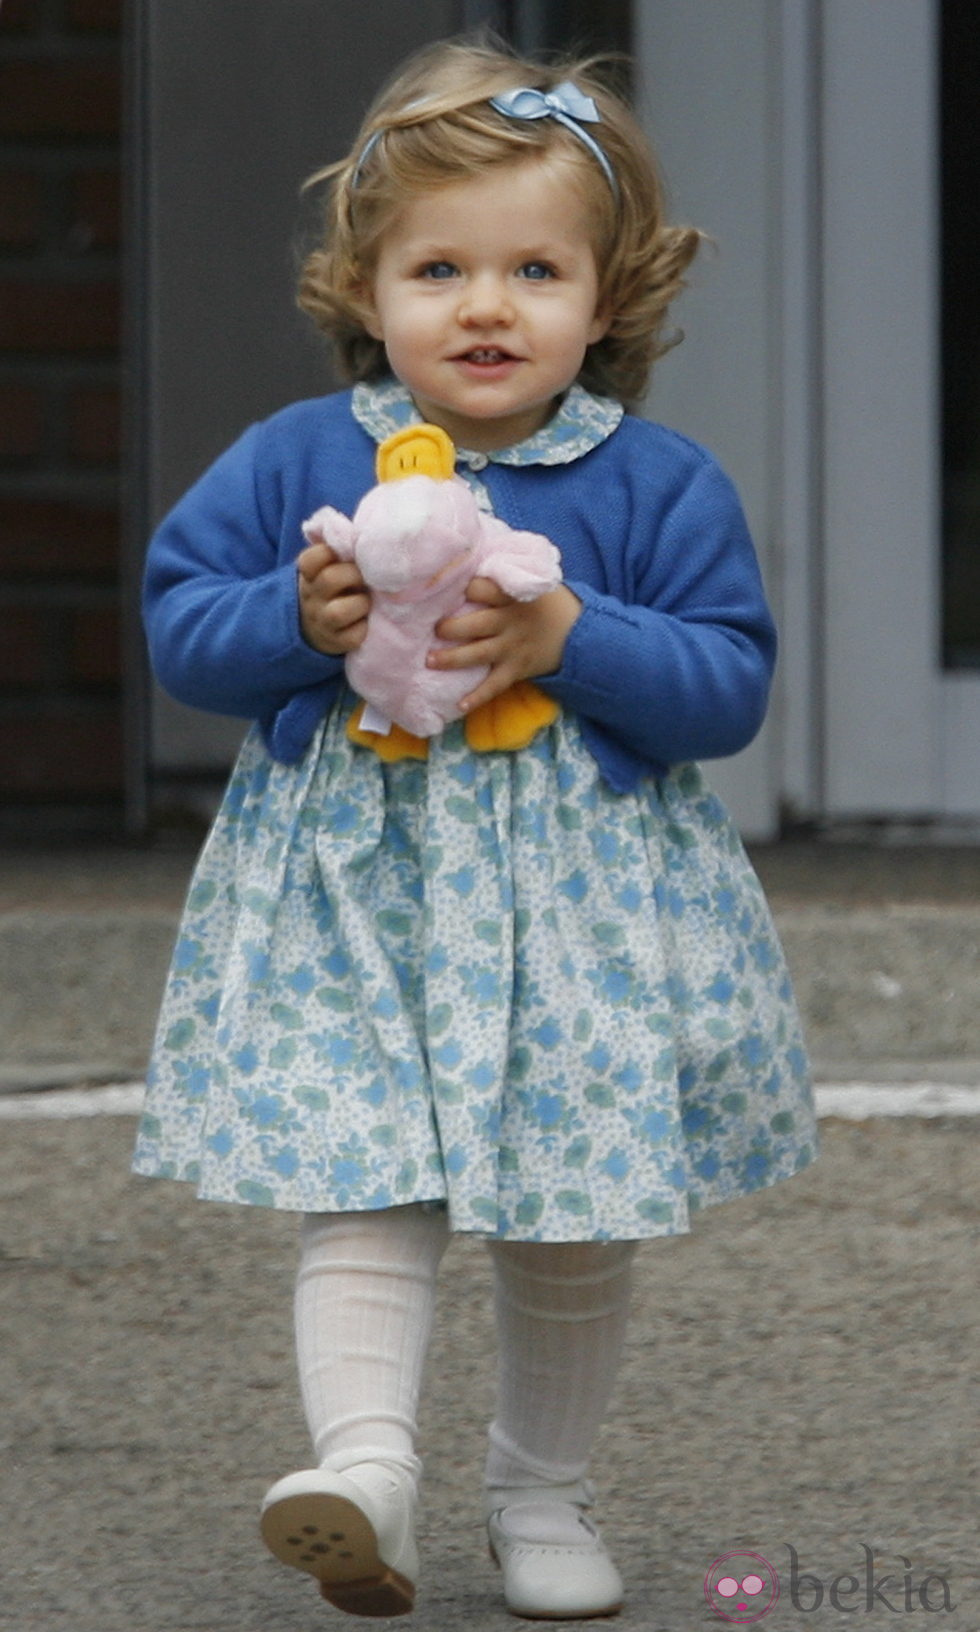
566 104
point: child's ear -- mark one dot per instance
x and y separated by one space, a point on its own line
600 324
367 311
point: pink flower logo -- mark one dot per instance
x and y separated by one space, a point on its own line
741 1587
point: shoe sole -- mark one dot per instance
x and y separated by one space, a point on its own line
566 1614
331 1539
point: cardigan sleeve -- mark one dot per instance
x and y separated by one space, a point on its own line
220 603
679 666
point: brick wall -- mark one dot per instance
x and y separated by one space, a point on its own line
60 669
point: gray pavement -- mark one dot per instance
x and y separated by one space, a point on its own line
802 1372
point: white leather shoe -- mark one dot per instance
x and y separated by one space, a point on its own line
554 1563
353 1531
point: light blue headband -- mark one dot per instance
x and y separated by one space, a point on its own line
566 104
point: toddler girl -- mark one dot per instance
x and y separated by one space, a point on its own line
532 995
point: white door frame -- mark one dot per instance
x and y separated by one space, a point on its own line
902 736
802 134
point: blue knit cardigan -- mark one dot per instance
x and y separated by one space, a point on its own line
672 656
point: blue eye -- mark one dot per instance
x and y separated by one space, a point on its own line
537 271
439 270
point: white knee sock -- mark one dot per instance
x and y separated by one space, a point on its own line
365 1295
561 1316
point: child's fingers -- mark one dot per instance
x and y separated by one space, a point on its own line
500 679
486 593
338 613
486 617
334 641
313 559
345 610
333 623
339 578
518 639
466 632
330 577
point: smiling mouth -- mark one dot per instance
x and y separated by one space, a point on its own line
487 355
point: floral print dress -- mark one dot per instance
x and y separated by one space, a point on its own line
484 980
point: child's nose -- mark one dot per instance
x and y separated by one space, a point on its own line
486 301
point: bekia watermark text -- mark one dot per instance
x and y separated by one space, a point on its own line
895 1592
742 1587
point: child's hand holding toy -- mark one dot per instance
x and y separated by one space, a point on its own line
400 567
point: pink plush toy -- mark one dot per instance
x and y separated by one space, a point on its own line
418 541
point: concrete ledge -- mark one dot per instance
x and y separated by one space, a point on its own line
80 987
894 982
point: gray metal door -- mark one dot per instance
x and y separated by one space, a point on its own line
233 106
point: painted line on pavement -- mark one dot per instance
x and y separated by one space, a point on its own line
853 1101
61 1104
856 1101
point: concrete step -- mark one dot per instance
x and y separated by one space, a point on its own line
884 947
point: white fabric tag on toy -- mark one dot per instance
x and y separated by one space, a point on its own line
373 720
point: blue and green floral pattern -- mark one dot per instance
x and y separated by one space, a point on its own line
487 980
581 422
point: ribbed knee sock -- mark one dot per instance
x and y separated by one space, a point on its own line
561 1314
365 1295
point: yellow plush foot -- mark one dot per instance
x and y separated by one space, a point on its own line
397 744
511 720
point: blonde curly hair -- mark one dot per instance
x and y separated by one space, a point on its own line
432 125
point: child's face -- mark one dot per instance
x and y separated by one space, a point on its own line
485 295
